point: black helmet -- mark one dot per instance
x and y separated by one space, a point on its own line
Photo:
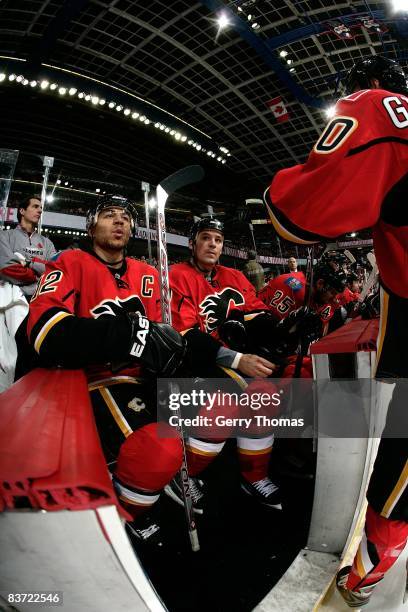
335 280
111 201
206 223
388 72
351 277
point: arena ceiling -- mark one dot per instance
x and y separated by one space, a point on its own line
206 91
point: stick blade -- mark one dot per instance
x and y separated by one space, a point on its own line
182 178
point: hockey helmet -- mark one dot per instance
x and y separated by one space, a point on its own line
388 72
111 201
332 279
206 223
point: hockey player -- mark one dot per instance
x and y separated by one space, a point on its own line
99 310
356 177
23 252
205 295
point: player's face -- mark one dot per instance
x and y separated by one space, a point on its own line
355 286
112 230
32 213
208 247
292 263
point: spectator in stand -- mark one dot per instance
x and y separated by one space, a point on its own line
292 263
23 251
254 271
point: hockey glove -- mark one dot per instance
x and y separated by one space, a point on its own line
158 346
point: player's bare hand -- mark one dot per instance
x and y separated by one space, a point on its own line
255 366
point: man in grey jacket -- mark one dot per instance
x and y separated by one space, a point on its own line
23 251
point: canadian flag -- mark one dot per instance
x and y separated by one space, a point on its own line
279 109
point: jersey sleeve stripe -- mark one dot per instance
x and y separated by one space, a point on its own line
47 327
308 237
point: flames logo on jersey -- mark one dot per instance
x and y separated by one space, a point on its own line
115 307
215 307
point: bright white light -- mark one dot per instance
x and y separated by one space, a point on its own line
249 17
87 97
142 118
162 127
2 76
19 78
255 25
72 91
183 138
167 130
25 82
292 70
353 234
157 125
224 161
95 100
289 61
152 203
12 77
44 84
198 147
53 86
219 158
97 190
329 111
222 21
102 102
49 198
33 83
81 95
62 91
58 181
66 183
172 132
119 108
147 121
283 53
111 105
240 9
135 115
177 135
400 5
126 111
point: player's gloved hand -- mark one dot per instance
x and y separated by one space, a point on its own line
370 307
233 332
158 346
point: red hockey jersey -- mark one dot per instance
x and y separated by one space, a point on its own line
355 177
347 296
80 285
206 304
284 293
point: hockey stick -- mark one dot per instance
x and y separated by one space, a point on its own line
185 176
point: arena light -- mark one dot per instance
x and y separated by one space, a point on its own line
102 102
222 21
12 77
152 203
19 78
2 76
62 91
329 111
399 6
72 91
33 83
126 111
49 198
44 84
95 100
135 115
283 53
53 86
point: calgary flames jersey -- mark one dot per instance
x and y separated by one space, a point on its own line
79 285
284 293
197 301
347 296
355 177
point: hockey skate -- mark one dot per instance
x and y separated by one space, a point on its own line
264 491
175 491
146 530
354 599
